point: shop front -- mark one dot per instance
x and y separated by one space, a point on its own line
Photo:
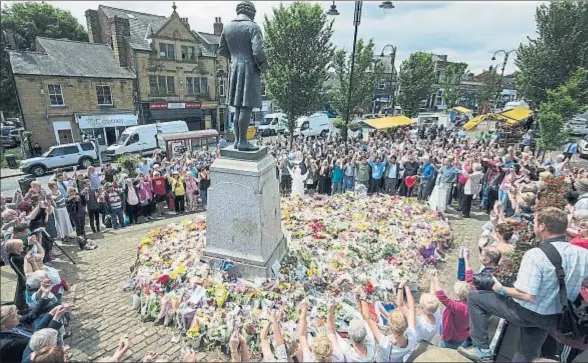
105 127
198 115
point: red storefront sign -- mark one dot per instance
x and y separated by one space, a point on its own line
174 105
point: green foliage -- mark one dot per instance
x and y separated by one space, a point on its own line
299 49
560 48
452 75
28 20
339 123
364 78
17 152
417 78
129 162
354 126
561 104
487 92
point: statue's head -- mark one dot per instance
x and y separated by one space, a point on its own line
247 8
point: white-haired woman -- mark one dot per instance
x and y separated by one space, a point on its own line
361 346
297 181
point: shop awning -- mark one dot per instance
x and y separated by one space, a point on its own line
389 122
462 109
517 114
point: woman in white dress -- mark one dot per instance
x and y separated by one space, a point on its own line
297 181
62 221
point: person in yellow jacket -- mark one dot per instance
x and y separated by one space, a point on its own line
178 189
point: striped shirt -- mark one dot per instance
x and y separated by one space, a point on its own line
59 200
114 199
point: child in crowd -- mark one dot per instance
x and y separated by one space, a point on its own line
455 329
399 344
429 323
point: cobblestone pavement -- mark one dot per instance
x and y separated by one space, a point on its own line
102 311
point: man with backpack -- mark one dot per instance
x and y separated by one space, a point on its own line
534 304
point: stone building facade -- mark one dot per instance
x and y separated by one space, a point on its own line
68 89
179 75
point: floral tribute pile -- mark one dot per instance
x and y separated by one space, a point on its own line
334 243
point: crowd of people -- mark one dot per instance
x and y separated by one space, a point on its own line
443 168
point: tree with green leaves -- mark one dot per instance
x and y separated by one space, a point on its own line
25 21
417 78
299 49
561 104
450 82
365 76
561 47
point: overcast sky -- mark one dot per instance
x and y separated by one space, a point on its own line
467 31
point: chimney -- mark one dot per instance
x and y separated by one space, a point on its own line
218 26
185 21
93 26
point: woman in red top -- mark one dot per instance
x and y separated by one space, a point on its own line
158 183
581 238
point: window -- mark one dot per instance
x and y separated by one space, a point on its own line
133 139
161 85
55 95
187 53
197 85
221 87
87 146
190 85
171 87
104 95
167 51
153 89
66 150
381 85
262 88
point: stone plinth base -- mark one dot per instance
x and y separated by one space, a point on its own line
243 221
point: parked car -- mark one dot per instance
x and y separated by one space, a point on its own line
583 147
10 137
577 126
75 154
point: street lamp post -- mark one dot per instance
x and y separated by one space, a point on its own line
392 75
385 5
505 61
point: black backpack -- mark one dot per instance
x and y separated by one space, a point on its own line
572 327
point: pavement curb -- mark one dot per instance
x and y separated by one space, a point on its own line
2 176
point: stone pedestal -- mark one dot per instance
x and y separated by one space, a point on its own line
243 221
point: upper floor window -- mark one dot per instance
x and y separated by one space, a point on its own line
221 87
262 88
381 86
104 95
188 53
161 85
56 95
196 85
167 51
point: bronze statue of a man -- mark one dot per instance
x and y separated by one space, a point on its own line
241 42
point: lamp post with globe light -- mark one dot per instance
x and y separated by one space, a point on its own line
385 6
504 62
392 75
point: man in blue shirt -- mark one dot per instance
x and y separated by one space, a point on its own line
570 149
377 173
448 176
427 179
392 175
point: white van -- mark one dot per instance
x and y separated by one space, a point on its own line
314 125
141 139
428 119
273 124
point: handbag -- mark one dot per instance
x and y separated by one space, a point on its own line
572 326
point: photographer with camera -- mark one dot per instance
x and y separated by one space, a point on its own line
489 258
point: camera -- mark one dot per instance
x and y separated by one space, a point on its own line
483 281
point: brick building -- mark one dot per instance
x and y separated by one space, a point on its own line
67 88
179 75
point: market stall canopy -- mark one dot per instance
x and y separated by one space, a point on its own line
517 114
389 122
462 109
473 123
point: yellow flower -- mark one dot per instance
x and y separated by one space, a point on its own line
147 241
181 268
173 275
193 333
